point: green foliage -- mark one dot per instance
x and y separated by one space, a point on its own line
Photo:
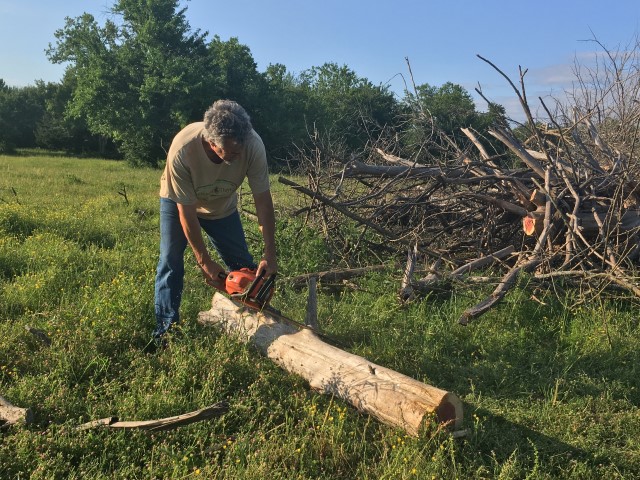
346 103
548 391
20 109
137 79
59 131
283 112
436 112
450 105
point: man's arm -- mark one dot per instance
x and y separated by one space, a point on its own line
267 223
191 228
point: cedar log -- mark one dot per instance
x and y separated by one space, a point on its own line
391 397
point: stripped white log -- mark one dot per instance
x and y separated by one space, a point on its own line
391 397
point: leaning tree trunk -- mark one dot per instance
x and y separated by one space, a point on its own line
393 398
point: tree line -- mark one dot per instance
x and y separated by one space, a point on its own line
133 82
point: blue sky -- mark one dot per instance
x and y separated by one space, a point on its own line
440 38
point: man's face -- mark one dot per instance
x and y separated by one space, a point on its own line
229 151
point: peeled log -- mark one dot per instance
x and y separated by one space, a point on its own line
391 397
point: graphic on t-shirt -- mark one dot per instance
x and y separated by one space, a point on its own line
219 188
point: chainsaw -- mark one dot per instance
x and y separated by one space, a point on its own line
255 292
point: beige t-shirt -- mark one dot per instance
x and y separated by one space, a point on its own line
191 178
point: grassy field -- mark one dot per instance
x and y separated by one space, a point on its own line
548 391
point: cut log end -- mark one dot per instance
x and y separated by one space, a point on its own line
449 412
533 223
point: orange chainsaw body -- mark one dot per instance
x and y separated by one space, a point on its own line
243 285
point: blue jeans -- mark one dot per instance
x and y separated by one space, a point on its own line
227 237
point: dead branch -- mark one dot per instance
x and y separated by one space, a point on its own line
571 204
162 424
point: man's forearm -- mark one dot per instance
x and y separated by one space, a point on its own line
267 222
191 228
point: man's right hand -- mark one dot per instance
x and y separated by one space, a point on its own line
214 274
191 227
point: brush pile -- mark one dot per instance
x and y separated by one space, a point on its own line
559 199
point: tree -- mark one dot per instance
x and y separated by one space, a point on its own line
282 110
20 110
57 130
435 116
450 106
139 79
342 101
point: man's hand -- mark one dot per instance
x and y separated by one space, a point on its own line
214 274
267 265
191 227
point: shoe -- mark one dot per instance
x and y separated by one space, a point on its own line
154 345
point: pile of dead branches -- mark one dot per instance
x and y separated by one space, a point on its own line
561 201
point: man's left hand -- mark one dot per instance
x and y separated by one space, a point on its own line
267 265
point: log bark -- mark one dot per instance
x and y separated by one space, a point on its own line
391 397
12 415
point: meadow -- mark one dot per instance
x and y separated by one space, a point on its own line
549 390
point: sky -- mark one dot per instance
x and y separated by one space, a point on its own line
441 39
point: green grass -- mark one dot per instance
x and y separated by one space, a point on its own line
549 392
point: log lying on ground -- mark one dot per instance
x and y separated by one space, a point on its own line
168 423
12 415
332 276
393 398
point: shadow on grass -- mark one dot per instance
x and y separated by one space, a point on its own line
501 439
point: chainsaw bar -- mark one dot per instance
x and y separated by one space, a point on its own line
274 312
256 297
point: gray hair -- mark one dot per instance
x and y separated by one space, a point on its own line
226 119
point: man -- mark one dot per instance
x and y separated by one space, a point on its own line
206 164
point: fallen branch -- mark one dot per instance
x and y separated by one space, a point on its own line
39 334
438 278
332 276
498 294
168 423
345 211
